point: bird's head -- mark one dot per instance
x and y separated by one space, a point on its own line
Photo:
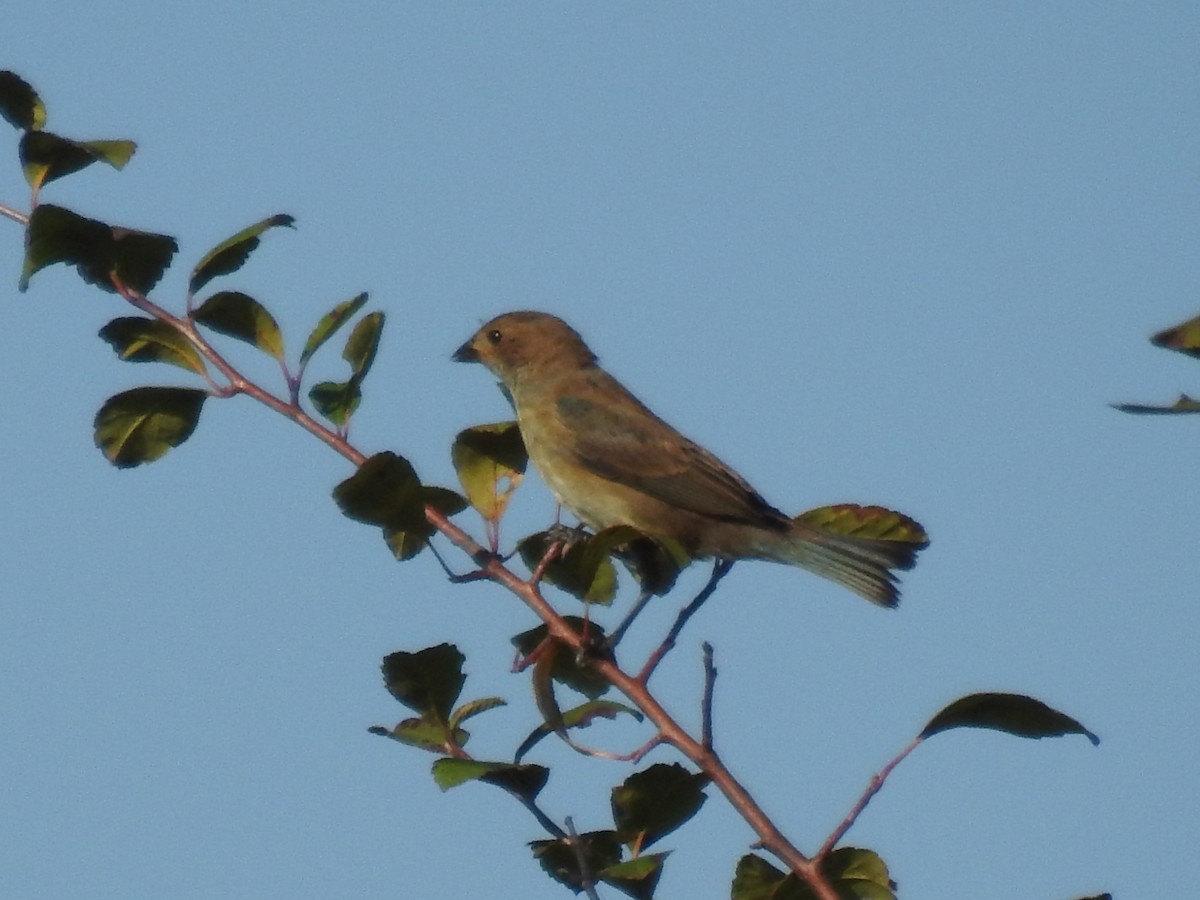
526 343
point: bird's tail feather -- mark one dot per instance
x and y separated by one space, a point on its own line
865 564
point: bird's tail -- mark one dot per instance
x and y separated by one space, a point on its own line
859 547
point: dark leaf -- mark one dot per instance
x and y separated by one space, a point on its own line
428 682
46 156
384 490
362 345
231 254
755 879
580 717
525 781
241 316
856 875
1012 713
138 339
330 323
409 537
1184 404
490 461
566 669
654 802
635 878
19 102
560 860
142 424
100 252
336 400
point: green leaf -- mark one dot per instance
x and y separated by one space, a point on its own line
560 860
566 669
1012 713
859 874
46 156
384 490
138 339
244 318
99 252
856 875
142 424
474 708
526 781
1184 404
654 802
329 324
425 733
635 878
428 682
580 717
362 345
584 571
19 102
232 253
1184 338
490 461
337 401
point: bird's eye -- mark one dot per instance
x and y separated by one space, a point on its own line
494 336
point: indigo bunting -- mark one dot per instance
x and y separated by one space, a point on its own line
611 461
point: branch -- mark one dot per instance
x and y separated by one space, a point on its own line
13 214
720 569
710 682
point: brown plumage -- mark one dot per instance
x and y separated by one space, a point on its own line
611 461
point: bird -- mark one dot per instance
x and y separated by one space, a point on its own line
611 461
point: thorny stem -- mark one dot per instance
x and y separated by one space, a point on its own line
770 838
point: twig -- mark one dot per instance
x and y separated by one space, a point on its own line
710 682
638 605
585 875
872 789
720 569
13 214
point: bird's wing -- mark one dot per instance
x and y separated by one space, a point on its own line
621 440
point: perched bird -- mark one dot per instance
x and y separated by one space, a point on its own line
611 461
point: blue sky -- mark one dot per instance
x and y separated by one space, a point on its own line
891 253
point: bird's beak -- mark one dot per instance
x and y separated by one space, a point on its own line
466 353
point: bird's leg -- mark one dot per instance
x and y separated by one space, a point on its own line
638 605
721 568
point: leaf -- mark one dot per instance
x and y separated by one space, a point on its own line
560 860
859 874
428 681
566 669
142 424
580 717
329 324
99 252
1184 338
635 877
244 318
19 102
526 781
654 802
384 490
232 253
408 538
1012 713
362 345
138 339
490 461
1184 404
868 522
337 401
425 733
474 708
856 875
46 156
590 576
